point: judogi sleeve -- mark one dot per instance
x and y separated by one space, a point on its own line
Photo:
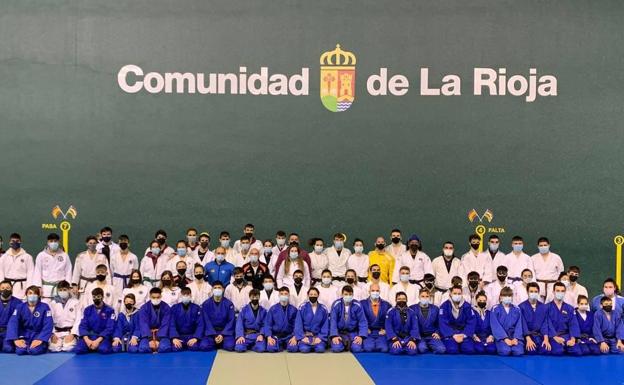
597 327
518 330
48 325
299 331
13 325
574 328
228 330
362 322
619 329
240 328
208 328
498 331
144 322
120 326
390 333
443 322
199 328
471 324
415 331
163 330
268 323
173 330
324 332
110 325
83 328
76 276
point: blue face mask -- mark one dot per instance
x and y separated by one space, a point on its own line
182 251
155 250
32 298
375 295
347 298
283 298
217 292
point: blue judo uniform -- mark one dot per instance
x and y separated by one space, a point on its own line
376 342
507 323
428 325
280 325
311 325
535 325
483 330
586 327
250 325
29 326
154 324
219 319
608 330
618 305
562 323
402 326
347 326
464 324
6 311
187 323
126 327
96 323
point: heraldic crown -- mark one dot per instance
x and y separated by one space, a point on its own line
338 57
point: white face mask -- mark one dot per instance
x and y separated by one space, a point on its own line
294 255
326 281
192 238
456 298
283 299
534 296
338 244
404 277
527 280
494 246
559 296
280 241
253 258
185 299
54 246
517 248
506 300
268 286
544 249
220 257
447 252
245 246
358 249
584 307
318 249
156 302
63 294
225 243
217 292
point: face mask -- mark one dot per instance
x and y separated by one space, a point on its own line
155 302
313 299
217 292
326 281
8 293
502 277
245 247
447 252
191 238
607 308
238 281
181 272
15 245
534 296
294 255
456 298
267 252
225 243
280 241
220 257
155 250
358 249
32 298
161 241
100 277
350 281
347 298
283 298
106 239
429 285
609 292
404 277
63 294
268 286
401 304
413 247
584 307
573 278
253 258
506 300
53 246
544 249
566 283
199 277
527 280
97 302
204 244
91 247
494 247
338 244
376 274
517 248
129 306
181 251
298 281
185 299
380 246
473 284
375 295
254 302
475 246
481 305
249 235
136 281
318 249
559 296
424 302
123 246
166 282
396 239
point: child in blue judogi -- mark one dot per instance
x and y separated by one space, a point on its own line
30 327
347 324
312 324
126 334
402 327
608 327
250 325
279 326
483 338
187 323
96 326
535 322
506 325
154 324
427 314
457 323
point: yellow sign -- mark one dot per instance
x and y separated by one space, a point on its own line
337 79
64 226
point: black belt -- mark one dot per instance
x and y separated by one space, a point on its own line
65 329
441 290
3 329
427 334
282 335
402 335
416 281
341 279
363 280
16 280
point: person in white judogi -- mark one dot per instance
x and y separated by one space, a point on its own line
497 257
575 289
476 261
396 248
520 293
238 290
183 255
17 266
328 290
384 288
110 295
106 245
248 233
493 288
298 291
52 265
85 264
202 251
358 261
337 257
200 289
318 260
446 266
547 267
136 288
224 241
242 256
66 314
516 261
294 262
122 262
359 291
149 264
418 262
405 286
269 295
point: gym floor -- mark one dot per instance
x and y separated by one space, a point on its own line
224 368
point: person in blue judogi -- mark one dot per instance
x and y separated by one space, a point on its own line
30 326
535 322
564 328
250 325
96 326
375 310
154 324
427 314
312 324
347 323
457 323
279 326
187 323
126 334
8 304
483 339
609 289
608 328
506 325
219 321
402 327
585 319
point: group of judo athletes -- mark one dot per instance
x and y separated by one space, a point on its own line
369 325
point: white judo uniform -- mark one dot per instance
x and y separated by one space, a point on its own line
17 266
66 318
50 269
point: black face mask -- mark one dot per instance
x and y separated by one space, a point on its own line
573 278
166 282
135 281
376 274
473 284
414 247
396 239
350 281
199 276
254 302
380 246
294 243
298 281
100 277
123 246
181 272
129 306
6 293
313 299
97 302
203 244
475 246
482 305
607 308
238 281
401 304
502 278
161 241
429 285
106 239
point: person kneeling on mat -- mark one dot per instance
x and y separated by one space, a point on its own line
347 325
96 326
